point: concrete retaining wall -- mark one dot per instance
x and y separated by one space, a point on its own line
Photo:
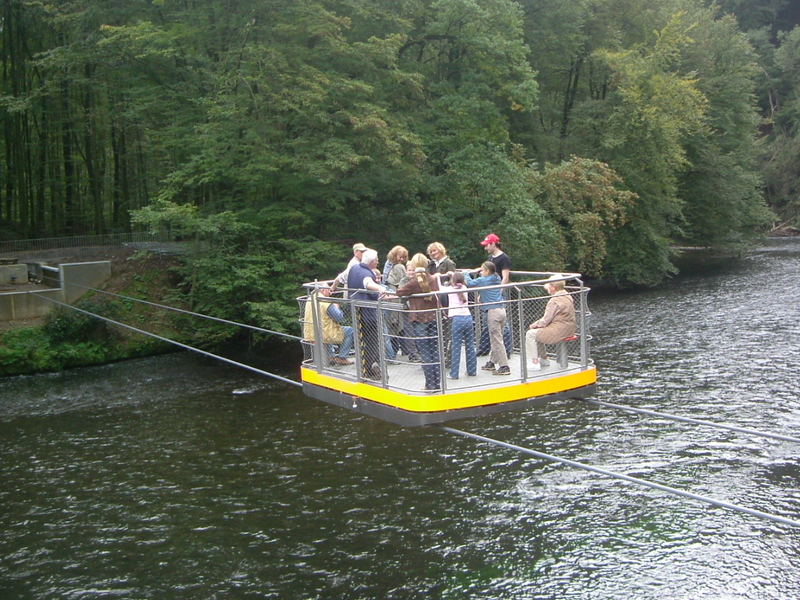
83 275
13 273
26 305
75 277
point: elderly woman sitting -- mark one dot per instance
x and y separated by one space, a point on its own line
557 323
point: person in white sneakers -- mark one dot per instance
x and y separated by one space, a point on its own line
557 323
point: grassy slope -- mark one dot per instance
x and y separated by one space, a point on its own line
69 339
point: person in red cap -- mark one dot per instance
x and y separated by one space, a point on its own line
502 263
501 260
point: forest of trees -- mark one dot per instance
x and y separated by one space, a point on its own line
593 135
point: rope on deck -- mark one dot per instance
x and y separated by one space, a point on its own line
636 480
176 343
188 312
653 413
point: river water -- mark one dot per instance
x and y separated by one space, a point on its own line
177 477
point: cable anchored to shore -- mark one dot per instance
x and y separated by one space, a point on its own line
636 480
528 451
176 343
186 312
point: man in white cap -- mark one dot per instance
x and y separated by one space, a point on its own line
341 278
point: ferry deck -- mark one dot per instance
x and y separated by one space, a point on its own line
393 388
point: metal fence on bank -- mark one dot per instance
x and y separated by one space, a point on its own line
80 241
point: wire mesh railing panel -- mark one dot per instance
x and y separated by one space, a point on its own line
387 344
557 354
415 357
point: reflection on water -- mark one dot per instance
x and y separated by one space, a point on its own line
176 477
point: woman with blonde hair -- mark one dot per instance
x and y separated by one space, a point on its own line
439 262
397 325
422 316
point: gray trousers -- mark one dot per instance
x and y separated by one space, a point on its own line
496 320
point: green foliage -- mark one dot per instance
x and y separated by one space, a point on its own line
66 325
585 200
532 237
721 187
239 273
38 349
24 351
782 150
642 257
782 167
755 14
649 114
479 185
266 132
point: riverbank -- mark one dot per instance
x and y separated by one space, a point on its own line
67 338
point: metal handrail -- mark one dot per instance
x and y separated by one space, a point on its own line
77 241
523 308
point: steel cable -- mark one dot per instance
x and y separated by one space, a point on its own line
528 451
169 341
636 480
189 312
653 413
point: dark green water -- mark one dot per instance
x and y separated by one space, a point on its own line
177 477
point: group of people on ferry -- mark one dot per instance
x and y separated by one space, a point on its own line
429 282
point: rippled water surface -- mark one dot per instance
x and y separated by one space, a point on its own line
176 477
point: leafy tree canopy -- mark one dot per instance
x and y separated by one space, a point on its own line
592 135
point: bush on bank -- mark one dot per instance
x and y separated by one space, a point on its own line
70 339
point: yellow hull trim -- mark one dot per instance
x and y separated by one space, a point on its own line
457 400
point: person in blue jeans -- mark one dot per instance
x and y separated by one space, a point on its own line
340 357
463 327
494 312
334 331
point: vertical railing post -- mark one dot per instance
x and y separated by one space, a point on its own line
381 343
584 292
356 337
440 344
523 351
319 345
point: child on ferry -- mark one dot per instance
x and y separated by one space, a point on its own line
494 312
463 330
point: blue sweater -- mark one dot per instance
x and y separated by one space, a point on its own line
489 298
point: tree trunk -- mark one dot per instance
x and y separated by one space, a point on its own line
69 224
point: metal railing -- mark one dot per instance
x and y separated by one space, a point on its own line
378 341
80 241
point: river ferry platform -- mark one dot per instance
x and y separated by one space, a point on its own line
393 388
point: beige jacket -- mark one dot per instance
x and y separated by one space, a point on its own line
558 321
